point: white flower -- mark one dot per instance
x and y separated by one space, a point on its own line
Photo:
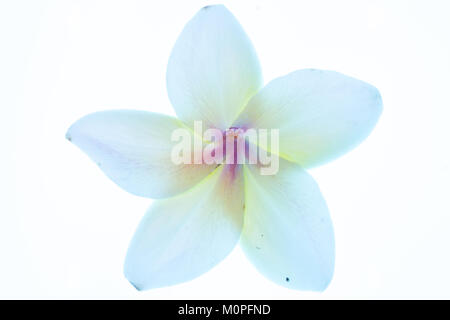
281 221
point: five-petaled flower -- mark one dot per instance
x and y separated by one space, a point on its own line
203 210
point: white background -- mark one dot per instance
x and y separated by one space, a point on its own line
65 227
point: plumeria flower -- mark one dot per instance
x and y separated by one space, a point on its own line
203 210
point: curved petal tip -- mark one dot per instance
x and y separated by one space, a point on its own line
134 285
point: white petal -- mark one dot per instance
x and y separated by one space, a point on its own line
182 237
320 114
288 234
133 148
213 69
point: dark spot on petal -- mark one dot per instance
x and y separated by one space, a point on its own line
258 248
206 7
287 279
262 235
243 206
99 164
68 137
